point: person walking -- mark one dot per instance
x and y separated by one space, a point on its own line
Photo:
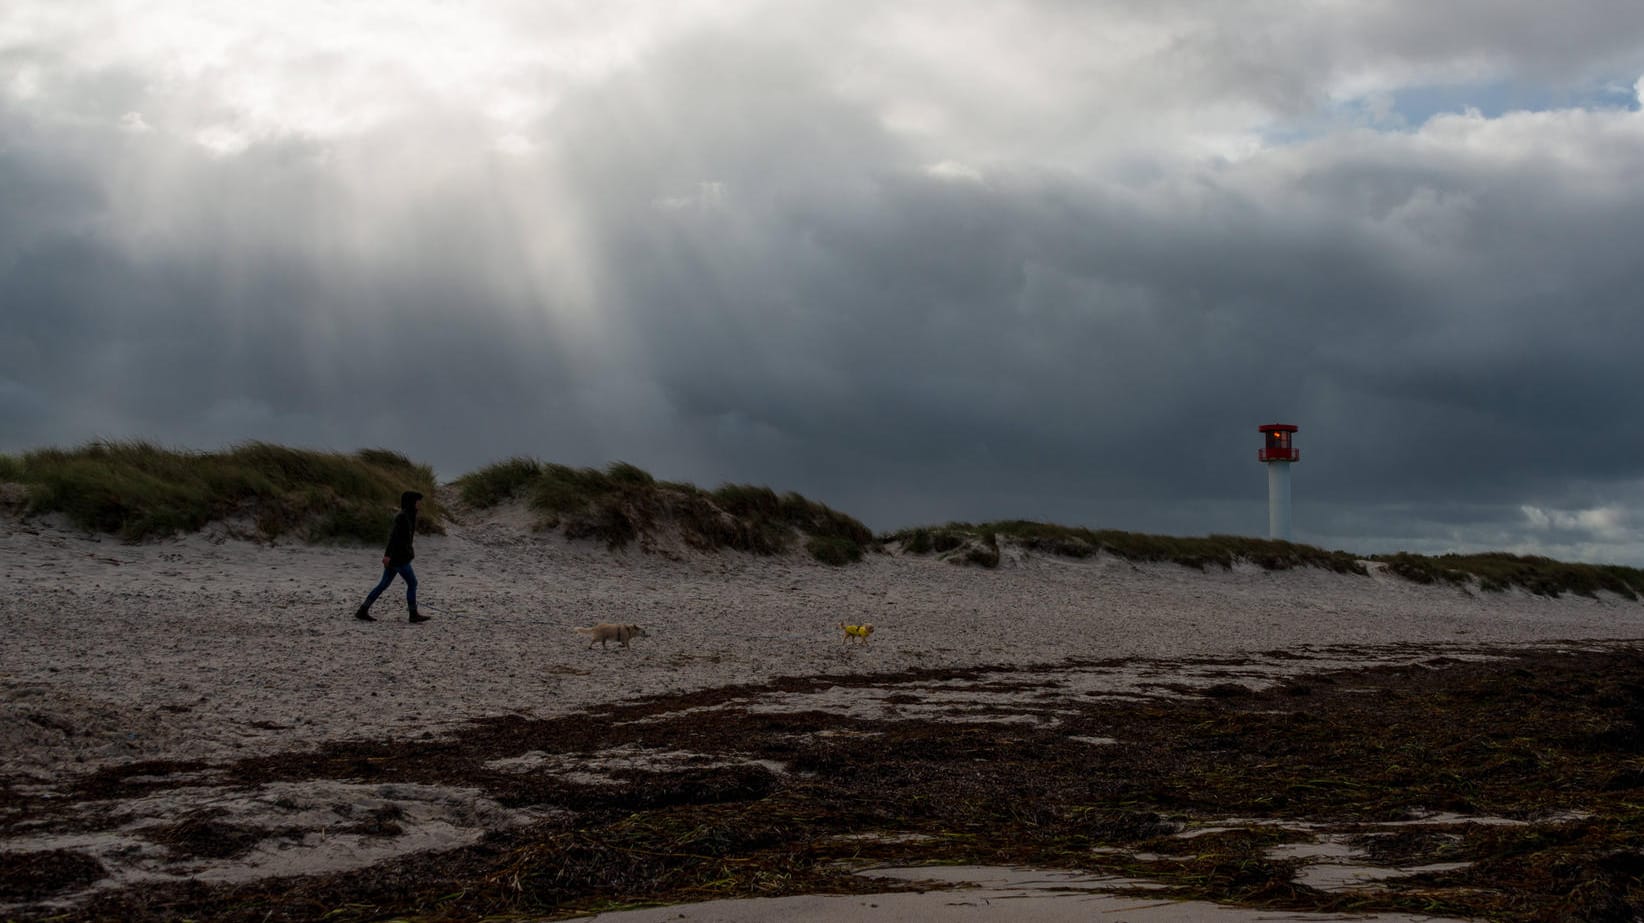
397 559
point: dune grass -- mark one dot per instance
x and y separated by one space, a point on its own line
496 483
979 544
1498 571
138 490
624 503
966 543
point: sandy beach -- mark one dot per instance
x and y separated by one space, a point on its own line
165 662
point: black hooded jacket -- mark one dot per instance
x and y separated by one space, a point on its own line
399 550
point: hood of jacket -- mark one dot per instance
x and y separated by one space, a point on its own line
408 501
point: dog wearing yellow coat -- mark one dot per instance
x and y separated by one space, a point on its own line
858 633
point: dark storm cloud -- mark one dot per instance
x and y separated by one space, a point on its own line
1447 327
728 264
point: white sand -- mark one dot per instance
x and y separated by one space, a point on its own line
211 648
203 648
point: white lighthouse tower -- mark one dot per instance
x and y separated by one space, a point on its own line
1278 453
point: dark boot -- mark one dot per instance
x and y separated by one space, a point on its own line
417 616
364 614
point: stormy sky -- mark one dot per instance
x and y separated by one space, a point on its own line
923 261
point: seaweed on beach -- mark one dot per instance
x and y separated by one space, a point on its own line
205 835
1522 770
29 876
381 821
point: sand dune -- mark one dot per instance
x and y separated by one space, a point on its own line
207 648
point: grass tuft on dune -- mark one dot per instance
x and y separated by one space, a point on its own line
138 490
963 542
1497 571
967 543
624 503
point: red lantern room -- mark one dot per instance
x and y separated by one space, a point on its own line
1277 447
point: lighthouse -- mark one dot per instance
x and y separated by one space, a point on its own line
1277 453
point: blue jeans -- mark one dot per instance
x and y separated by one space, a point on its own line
404 570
